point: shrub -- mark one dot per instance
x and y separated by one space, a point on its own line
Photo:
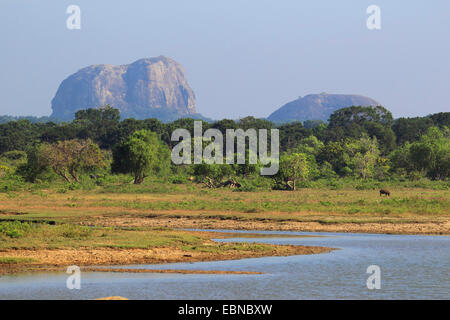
12 183
14 229
334 184
178 179
14 155
5 170
367 185
74 232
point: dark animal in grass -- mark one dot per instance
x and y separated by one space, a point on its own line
384 191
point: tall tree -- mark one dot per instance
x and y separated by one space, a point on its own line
142 154
411 129
71 157
432 153
224 124
254 123
354 122
291 134
345 117
295 167
17 135
365 157
100 125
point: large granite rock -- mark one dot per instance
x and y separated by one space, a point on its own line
155 87
318 107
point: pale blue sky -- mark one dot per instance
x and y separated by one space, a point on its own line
241 57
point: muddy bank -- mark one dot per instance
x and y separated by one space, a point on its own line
46 259
418 228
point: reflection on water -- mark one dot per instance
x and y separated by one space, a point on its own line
412 267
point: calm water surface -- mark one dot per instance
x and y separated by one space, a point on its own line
412 267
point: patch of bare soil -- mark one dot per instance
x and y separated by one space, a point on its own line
430 228
46 258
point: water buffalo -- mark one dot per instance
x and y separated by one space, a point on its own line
384 191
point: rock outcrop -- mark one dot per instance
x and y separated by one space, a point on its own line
318 107
154 87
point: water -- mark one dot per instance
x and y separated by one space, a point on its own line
412 267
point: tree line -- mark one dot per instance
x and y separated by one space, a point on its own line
360 142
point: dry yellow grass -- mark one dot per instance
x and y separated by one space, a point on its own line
422 211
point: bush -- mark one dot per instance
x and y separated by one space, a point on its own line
14 229
214 171
5 170
178 179
14 155
12 183
255 183
335 184
367 185
74 232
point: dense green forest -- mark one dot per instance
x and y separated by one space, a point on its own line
361 144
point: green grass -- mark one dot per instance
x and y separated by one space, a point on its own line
44 236
14 229
412 204
225 247
16 260
158 198
65 236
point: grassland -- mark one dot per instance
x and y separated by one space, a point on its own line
185 206
34 246
125 224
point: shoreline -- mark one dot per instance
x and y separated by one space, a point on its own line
58 259
89 259
400 228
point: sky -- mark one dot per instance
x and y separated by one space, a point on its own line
242 57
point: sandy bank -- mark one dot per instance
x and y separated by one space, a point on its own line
422 228
58 259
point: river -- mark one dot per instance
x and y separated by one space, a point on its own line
412 267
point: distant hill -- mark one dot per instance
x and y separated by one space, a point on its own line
148 88
318 107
